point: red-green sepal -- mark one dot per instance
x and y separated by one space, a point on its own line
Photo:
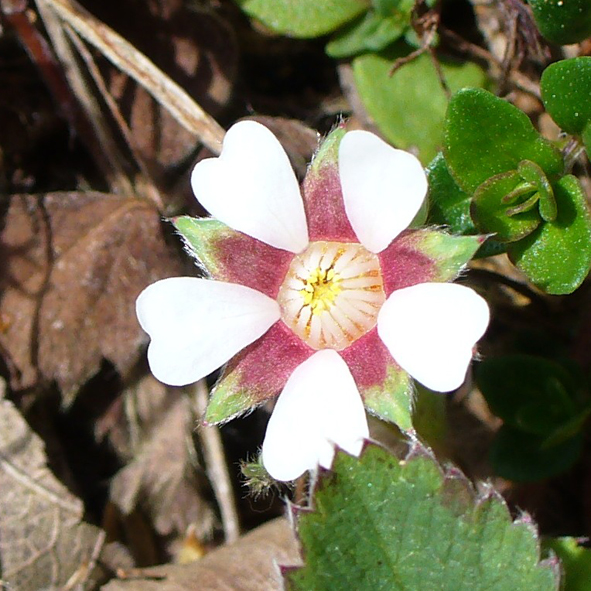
227 255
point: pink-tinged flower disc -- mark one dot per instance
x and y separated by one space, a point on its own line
196 325
319 408
332 294
431 328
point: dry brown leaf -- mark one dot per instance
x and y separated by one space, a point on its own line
250 564
74 265
162 475
44 544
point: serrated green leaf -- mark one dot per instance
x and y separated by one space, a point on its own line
563 21
557 256
576 562
566 88
380 524
409 106
486 136
522 457
304 18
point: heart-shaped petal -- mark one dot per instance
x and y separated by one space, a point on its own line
252 188
320 407
431 329
196 325
383 188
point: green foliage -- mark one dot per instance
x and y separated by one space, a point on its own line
304 18
557 256
543 406
576 562
486 136
491 209
376 30
563 21
450 206
409 106
566 88
373 32
514 178
378 523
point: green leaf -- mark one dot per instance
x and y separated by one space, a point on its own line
409 106
381 524
529 393
388 7
493 214
576 562
566 88
304 18
450 206
372 33
587 139
557 256
486 136
522 457
563 21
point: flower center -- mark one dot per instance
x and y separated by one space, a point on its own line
331 294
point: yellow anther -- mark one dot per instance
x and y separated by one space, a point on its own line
320 290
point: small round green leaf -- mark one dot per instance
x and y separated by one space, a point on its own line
566 92
563 21
493 214
373 32
409 106
486 136
516 455
529 393
304 18
557 255
450 206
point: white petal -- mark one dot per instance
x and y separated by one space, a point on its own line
383 188
431 328
196 325
319 407
252 188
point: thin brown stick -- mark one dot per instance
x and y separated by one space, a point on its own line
134 63
148 187
108 156
215 464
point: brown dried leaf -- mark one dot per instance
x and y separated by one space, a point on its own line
74 265
162 475
251 564
44 544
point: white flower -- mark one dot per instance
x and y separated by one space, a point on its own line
321 301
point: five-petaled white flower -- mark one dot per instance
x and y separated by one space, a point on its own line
325 294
